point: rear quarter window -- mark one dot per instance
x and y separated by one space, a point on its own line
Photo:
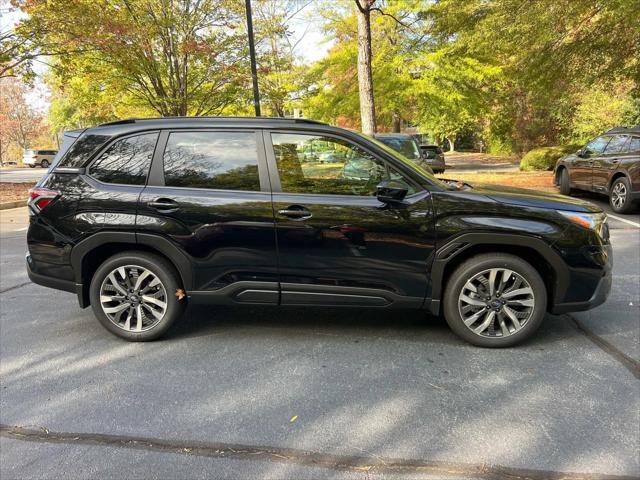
126 161
83 149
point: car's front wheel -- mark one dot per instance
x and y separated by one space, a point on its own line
44 164
619 195
565 184
495 300
134 295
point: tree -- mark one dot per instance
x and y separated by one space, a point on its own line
365 77
20 123
176 57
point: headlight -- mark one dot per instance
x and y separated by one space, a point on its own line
592 221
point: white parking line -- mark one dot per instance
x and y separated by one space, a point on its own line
635 224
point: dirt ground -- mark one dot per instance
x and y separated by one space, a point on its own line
11 192
541 181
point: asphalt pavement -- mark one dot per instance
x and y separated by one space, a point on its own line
314 393
21 175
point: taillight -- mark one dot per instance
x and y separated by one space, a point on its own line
40 198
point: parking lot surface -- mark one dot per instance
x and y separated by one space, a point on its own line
314 393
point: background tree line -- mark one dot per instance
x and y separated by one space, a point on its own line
502 75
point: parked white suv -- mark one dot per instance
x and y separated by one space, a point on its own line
33 158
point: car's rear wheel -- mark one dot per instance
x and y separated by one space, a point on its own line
565 184
44 164
32 166
619 195
495 300
133 295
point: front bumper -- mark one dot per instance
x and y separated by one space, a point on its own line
602 288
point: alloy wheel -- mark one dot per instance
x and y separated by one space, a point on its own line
619 195
133 298
496 302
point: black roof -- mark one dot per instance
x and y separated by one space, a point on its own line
632 129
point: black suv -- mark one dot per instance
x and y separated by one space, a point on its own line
609 164
139 217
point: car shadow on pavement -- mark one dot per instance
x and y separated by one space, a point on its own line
366 323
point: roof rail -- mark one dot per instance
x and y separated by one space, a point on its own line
283 119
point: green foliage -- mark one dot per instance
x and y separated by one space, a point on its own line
545 158
601 108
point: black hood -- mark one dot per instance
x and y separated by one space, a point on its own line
531 198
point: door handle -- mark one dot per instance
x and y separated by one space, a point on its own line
295 212
615 160
164 205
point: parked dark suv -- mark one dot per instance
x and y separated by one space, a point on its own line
609 164
139 217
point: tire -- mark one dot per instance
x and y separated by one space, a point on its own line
44 164
154 325
32 166
565 184
619 195
494 336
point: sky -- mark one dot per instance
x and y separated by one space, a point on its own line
305 27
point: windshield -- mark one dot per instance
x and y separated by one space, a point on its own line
406 161
405 146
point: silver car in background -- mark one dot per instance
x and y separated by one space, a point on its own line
41 158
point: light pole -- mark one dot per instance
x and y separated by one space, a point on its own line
252 55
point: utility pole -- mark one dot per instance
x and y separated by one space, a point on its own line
252 55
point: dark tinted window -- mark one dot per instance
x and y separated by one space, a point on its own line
221 160
617 144
82 150
127 161
634 145
597 145
325 165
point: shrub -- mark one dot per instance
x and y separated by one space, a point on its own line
545 158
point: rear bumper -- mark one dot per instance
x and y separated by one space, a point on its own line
56 283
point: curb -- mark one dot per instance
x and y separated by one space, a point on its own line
16 204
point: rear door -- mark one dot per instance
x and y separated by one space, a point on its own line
605 164
338 244
208 193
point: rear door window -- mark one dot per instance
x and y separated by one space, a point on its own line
215 160
634 145
126 161
616 145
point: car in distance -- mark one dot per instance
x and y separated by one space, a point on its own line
140 217
35 158
406 145
434 155
608 164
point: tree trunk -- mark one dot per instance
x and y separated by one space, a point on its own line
451 139
396 122
365 79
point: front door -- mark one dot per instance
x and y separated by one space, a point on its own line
208 193
337 244
582 171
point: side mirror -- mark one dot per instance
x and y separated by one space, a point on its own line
584 152
391 191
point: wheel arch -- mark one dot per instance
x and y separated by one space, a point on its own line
89 254
616 175
534 250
